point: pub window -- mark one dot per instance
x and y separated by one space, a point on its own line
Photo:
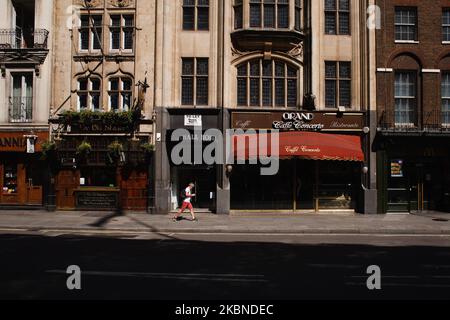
405 24
338 84
446 24
10 178
194 82
121 32
120 94
405 97
238 14
262 83
89 92
445 93
269 14
337 17
195 14
91 31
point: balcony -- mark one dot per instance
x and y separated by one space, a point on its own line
23 46
20 109
431 123
258 39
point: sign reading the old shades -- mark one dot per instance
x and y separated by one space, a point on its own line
298 121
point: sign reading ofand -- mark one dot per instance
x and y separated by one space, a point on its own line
298 121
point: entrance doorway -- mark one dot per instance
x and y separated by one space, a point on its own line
204 178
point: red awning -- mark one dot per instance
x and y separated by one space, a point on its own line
306 145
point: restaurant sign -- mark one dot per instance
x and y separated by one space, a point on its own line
298 121
22 141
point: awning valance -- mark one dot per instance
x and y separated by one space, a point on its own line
306 145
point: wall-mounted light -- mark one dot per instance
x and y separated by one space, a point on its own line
229 168
366 130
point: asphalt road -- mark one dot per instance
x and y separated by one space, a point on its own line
208 266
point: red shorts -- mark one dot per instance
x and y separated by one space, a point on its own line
187 205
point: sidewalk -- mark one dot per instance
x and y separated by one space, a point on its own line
242 223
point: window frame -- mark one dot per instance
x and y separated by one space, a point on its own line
92 34
263 4
337 12
122 29
445 26
194 77
415 25
261 77
337 84
89 93
414 99
120 92
445 112
196 7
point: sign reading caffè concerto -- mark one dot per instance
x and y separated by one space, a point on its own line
298 121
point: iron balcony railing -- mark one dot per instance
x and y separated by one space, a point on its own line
412 122
23 39
20 109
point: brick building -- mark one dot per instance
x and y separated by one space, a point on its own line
413 90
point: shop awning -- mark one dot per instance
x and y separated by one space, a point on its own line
306 145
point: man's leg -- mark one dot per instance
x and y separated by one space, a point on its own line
191 208
180 212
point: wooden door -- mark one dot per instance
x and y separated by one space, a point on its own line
67 181
134 191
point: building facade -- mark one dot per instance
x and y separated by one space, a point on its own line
300 66
26 30
413 89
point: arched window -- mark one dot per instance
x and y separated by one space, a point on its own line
120 92
267 83
89 93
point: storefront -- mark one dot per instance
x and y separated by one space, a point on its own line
321 159
22 171
414 174
100 165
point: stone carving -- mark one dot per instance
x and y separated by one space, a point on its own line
89 3
121 3
297 51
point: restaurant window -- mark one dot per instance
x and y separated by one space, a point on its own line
238 14
405 24
262 83
91 31
337 17
121 32
120 93
195 14
194 81
269 14
405 98
89 92
445 93
10 178
338 84
98 177
446 24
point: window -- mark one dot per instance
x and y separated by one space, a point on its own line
89 90
238 14
91 32
405 24
446 24
194 82
120 94
337 17
121 32
298 15
21 100
445 93
269 14
338 80
195 14
262 83
405 98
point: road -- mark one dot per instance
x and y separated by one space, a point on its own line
225 266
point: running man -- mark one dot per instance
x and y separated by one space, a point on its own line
187 195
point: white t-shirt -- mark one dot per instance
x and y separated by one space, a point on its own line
188 193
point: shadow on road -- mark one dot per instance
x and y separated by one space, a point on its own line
33 267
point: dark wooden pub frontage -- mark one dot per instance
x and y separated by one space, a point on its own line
100 162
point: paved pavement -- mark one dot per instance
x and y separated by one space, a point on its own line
424 224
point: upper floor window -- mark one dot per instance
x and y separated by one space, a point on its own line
194 81
238 14
21 99
337 17
120 92
405 97
262 83
269 14
195 14
91 32
338 81
89 92
445 93
405 24
121 32
446 24
298 14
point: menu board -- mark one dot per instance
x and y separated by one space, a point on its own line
397 169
